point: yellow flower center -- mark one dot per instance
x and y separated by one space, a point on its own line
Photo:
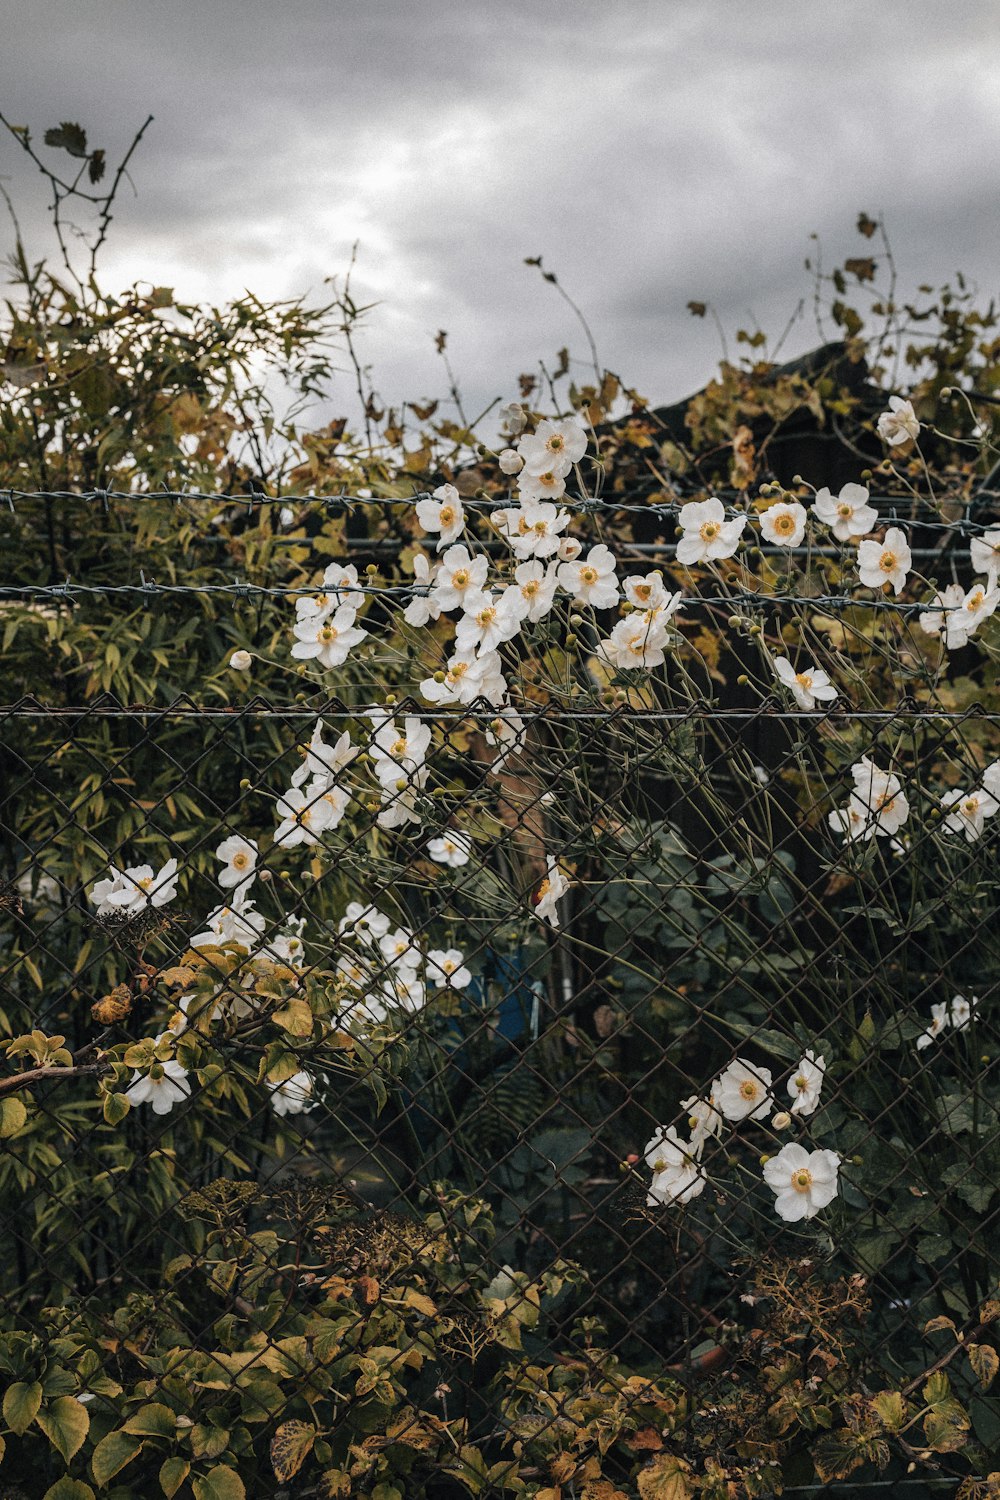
974 601
749 1089
556 444
448 966
970 806
801 1082
887 562
328 634
802 1180
460 578
547 479
530 588
302 816
399 746
241 860
145 882
447 515
710 530
540 527
486 616
543 890
785 524
844 510
588 575
804 680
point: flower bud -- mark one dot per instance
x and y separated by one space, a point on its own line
569 549
240 661
510 462
371 570
781 1120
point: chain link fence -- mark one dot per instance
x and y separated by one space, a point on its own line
589 1093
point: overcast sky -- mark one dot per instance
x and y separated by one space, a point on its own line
653 151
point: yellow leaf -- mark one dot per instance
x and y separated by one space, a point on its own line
666 1478
985 1363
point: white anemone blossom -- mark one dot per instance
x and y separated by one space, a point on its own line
807 687
887 561
467 679
443 513
307 813
784 524
707 535
321 762
489 620
984 553
425 605
899 424
132 890
704 1120
446 969
237 921
535 584
162 1087
848 514
639 641
364 923
877 804
293 1096
677 1174
551 891
239 856
806 1083
963 1011
743 1091
940 1020
328 639
592 579
553 446
459 574
452 848
969 811
532 488
802 1181
532 528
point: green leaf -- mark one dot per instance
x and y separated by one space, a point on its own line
290 1448
13 1116
219 1483
20 1405
65 1422
207 1441
154 1420
69 1489
112 1454
116 1107
173 1472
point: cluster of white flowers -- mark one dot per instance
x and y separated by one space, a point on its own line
878 806
803 1181
325 626
957 1015
956 614
316 801
384 970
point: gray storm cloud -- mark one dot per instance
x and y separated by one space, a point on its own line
652 151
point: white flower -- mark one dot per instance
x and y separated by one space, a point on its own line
399 753
322 762
704 1120
802 1181
536 487
899 424
513 418
991 779
509 732
288 947
366 923
459 574
569 549
163 1086
489 620
446 968
134 889
647 593
294 1096
878 797
939 1021
784 524
806 687
397 948
342 584
425 606
971 809
536 585
592 579
241 661
976 606
806 1082
307 813
468 679
234 922
708 536
637 641
442 512
286 517
327 639
887 561
984 553
743 1091
532 528
452 848
941 612
239 855
847 514
963 1011
851 822
553 444
677 1176
551 890
510 462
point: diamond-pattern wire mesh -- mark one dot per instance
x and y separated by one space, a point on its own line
710 915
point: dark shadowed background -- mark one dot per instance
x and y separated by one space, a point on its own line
653 151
